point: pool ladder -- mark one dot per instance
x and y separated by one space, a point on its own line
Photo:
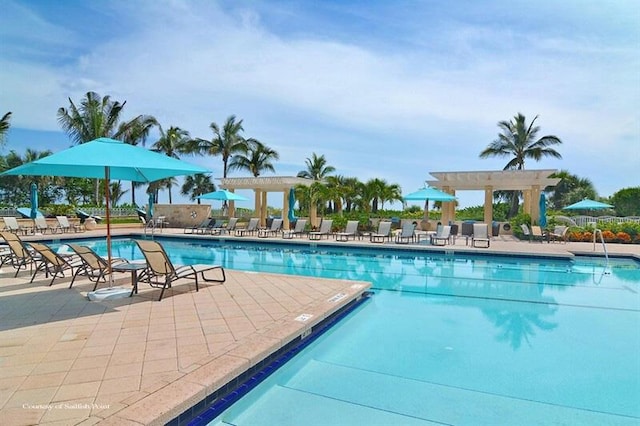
604 246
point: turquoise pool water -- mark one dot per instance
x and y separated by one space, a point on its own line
451 340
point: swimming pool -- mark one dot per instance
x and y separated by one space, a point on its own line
450 339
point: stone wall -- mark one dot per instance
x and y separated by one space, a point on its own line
182 215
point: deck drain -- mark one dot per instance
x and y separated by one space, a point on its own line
337 298
304 317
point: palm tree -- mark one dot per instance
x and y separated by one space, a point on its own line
16 189
317 168
226 142
135 134
350 188
520 141
570 189
390 192
96 117
258 158
4 127
171 143
196 185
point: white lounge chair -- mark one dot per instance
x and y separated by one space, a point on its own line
442 236
297 230
480 234
407 233
11 224
350 231
384 232
65 226
324 231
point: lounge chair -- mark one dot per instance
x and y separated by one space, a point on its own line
93 266
297 230
214 227
51 262
200 228
161 272
276 227
480 234
559 233
226 229
442 236
384 232
40 225
537 234
65 226
252 228
19 255
526 231
11 224
407 233
324 231
350 231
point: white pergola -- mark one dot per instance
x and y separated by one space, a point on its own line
261 186
530 182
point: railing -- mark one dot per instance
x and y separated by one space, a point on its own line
593 220
604 246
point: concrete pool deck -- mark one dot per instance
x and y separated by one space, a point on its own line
65 360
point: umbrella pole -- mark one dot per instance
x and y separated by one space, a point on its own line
108 218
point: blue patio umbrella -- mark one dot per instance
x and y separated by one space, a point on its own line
587 204
426 194
223 195
292 201
34 201
107 159
543 210
152 199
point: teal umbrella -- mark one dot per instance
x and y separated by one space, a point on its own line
107 159
587 204
426 194
543 210
222 195
34 201
292 201
150 208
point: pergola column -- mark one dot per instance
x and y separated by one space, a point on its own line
535 205
285 210
263 209
257 207
488 204
232 207
448 208
526 202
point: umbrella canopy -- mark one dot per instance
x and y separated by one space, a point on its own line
543 210
292 201
34 201
107 159
222 195
426 194
587 204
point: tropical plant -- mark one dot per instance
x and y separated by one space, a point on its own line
317 168
226 142
627 201
520 141
16 189
196 185
134 134
569 190
173 142
94 118
257 158
4 127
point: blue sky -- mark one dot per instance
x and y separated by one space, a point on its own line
382 89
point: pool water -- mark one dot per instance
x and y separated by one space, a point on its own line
450 339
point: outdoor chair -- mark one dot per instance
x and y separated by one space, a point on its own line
466 231
537 234
11 224
93 266
214 226
407 233
276 227
18 255
442 236
480 234
324 231
65 226
226 229
384 232
161 273
200 228
40 225
252 228
51 262
297 230
350 231
525 231
559 233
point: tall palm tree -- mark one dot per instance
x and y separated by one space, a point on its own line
173 142
258 158
520 141
4 127
94 118
196 185
226 142
336 190
134 134
350 188
317 168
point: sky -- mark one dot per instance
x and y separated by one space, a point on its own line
383 89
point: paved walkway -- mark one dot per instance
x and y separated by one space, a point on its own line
65 360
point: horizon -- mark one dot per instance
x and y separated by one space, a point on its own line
389 91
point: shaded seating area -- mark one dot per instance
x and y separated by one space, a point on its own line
250 229
93 266
323 232
161 272
272 231
297 230
51 263
383 233
480 235
350 231
407 233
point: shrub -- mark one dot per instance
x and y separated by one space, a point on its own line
623 237
609 236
